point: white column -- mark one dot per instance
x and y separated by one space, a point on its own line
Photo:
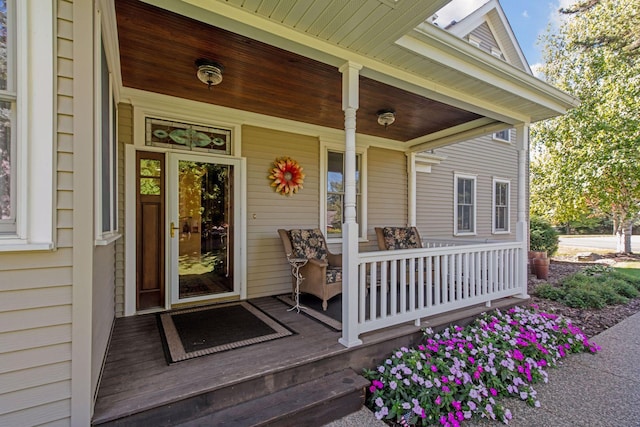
350 232
412 189
522 227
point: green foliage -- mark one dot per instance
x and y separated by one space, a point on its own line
542 236
629 275
587 161
595 287
548 291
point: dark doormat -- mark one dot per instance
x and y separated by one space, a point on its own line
199 331
313 308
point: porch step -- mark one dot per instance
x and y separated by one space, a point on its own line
313 403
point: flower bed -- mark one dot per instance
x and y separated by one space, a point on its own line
462 373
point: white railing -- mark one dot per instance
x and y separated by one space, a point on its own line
406 285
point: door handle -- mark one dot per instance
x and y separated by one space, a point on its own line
173 229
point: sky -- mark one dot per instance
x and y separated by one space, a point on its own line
528 18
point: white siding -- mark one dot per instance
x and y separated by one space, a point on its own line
482 157
36 287
267 268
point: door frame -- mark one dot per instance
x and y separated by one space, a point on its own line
240 235
172 244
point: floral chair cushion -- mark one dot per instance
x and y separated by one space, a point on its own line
334 274
400 238
308 244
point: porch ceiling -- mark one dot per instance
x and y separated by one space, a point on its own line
281 59
158 54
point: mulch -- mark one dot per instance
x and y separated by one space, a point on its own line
591 321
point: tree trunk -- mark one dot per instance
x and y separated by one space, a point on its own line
623 236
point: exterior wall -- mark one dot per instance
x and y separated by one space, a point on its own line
267 270
387 196
36 287
103 307
125 136
483 32
483 157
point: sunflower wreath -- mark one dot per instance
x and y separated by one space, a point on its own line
287 176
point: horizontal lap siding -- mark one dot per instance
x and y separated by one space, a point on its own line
482 157
36 287
387 192
267 269
125 136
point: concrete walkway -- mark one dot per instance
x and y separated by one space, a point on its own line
592 390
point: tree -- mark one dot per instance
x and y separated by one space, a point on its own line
589 159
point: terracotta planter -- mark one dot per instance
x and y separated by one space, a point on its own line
541 266
533 255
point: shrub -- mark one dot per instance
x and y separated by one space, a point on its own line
631 279
542 236
583 298
597 269
549 291
623 287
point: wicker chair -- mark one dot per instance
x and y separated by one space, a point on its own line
323 272
390 238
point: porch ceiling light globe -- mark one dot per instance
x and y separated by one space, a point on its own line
209 72
386 117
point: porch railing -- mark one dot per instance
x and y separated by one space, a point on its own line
406 285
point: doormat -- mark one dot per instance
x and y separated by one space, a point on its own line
199 331
313 308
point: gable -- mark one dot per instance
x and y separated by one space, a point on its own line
490 26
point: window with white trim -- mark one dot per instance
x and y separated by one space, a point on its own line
503 135
464 204
501 192
334 187
106 153
27 88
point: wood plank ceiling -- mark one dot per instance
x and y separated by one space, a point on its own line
158 50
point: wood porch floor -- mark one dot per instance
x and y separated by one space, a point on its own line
136 377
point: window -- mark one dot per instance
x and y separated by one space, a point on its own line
334 191
107 150
503 135
500 206
7 121
465 204
27 88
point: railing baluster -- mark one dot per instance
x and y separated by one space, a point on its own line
373 290
384 283
421 283
393 297
403 285
362 294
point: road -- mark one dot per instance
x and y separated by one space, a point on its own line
597 242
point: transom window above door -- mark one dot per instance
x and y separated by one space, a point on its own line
186 136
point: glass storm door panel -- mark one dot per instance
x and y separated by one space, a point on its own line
202 227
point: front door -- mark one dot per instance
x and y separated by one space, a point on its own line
203 221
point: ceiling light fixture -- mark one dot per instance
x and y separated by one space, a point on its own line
386 117
209 72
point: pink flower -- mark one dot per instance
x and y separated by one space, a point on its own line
438 400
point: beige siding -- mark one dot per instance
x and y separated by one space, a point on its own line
125 136
36 288
103 307
387 192
267 269
483 32
483 157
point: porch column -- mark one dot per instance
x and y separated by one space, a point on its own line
522 227
350 103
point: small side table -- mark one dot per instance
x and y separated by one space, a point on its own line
296 264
